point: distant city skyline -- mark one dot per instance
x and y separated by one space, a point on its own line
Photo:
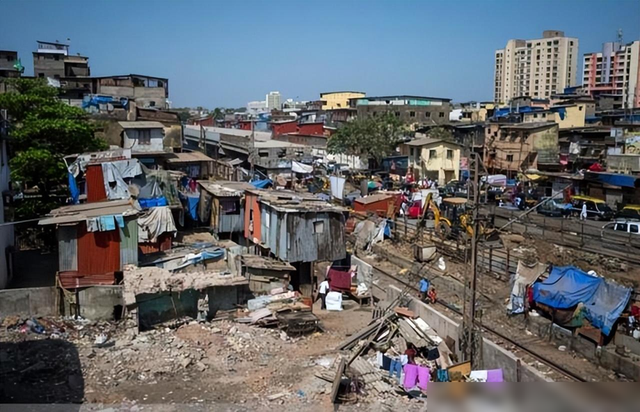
218 54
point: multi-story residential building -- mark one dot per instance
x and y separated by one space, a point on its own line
53 60
8 59
614 72
338 100
437 159
412 110
273 100
536 68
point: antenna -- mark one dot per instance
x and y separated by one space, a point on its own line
619 36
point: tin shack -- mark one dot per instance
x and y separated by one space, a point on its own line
95 241
222 208
297 228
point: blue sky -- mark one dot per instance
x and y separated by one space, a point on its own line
228 53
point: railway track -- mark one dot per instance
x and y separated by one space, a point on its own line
552 365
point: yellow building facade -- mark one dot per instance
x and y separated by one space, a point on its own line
339 100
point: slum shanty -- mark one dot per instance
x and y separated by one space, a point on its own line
346 252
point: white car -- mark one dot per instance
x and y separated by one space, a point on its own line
622 226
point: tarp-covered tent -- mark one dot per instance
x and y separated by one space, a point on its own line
568 286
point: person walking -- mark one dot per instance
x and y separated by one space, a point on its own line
323 289
583 213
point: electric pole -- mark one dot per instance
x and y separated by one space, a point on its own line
471 339
252 147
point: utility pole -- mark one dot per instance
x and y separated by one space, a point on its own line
471 338
252 147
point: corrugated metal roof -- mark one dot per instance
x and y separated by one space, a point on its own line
226 188
141 125
84 211
427 141
189 157
373 198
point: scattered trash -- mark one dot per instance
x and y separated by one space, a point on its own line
562 348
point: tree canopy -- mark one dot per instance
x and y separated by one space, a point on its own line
44 130
371 137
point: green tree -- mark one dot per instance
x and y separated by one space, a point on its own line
440 132
371 137
43 130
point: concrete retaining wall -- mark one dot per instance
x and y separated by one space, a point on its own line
28 302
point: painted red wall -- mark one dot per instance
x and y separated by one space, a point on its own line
311 128
283 128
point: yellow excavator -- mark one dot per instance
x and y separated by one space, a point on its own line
453 219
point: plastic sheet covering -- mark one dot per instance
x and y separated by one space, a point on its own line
298 167
73 189
334 301
566 287
262 184
157 221
129 243
157 183
337 186
525 276
607 305
114 183
190 202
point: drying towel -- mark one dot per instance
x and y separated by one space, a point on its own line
410 376
424 376
339 280
107 223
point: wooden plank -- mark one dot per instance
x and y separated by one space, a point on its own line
335 389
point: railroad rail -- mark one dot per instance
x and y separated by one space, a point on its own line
529 352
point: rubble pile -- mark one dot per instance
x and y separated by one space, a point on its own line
368 357
103 356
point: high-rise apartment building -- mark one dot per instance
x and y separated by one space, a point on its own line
536 68
273 100
615 72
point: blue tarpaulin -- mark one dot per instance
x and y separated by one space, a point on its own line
606 305
567 286
191 202
147 203
262 184
614 179
73 188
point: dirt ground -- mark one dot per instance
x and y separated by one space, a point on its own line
222 363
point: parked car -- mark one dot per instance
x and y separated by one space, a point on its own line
629 212
552 207
621 227
597 209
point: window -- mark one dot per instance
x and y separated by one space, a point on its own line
622 227
449 154
41 75
411 152
397 114
263 153
412 114
57 57
441 114
144 136
633 228
318 227
427 114
433 154
510 158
